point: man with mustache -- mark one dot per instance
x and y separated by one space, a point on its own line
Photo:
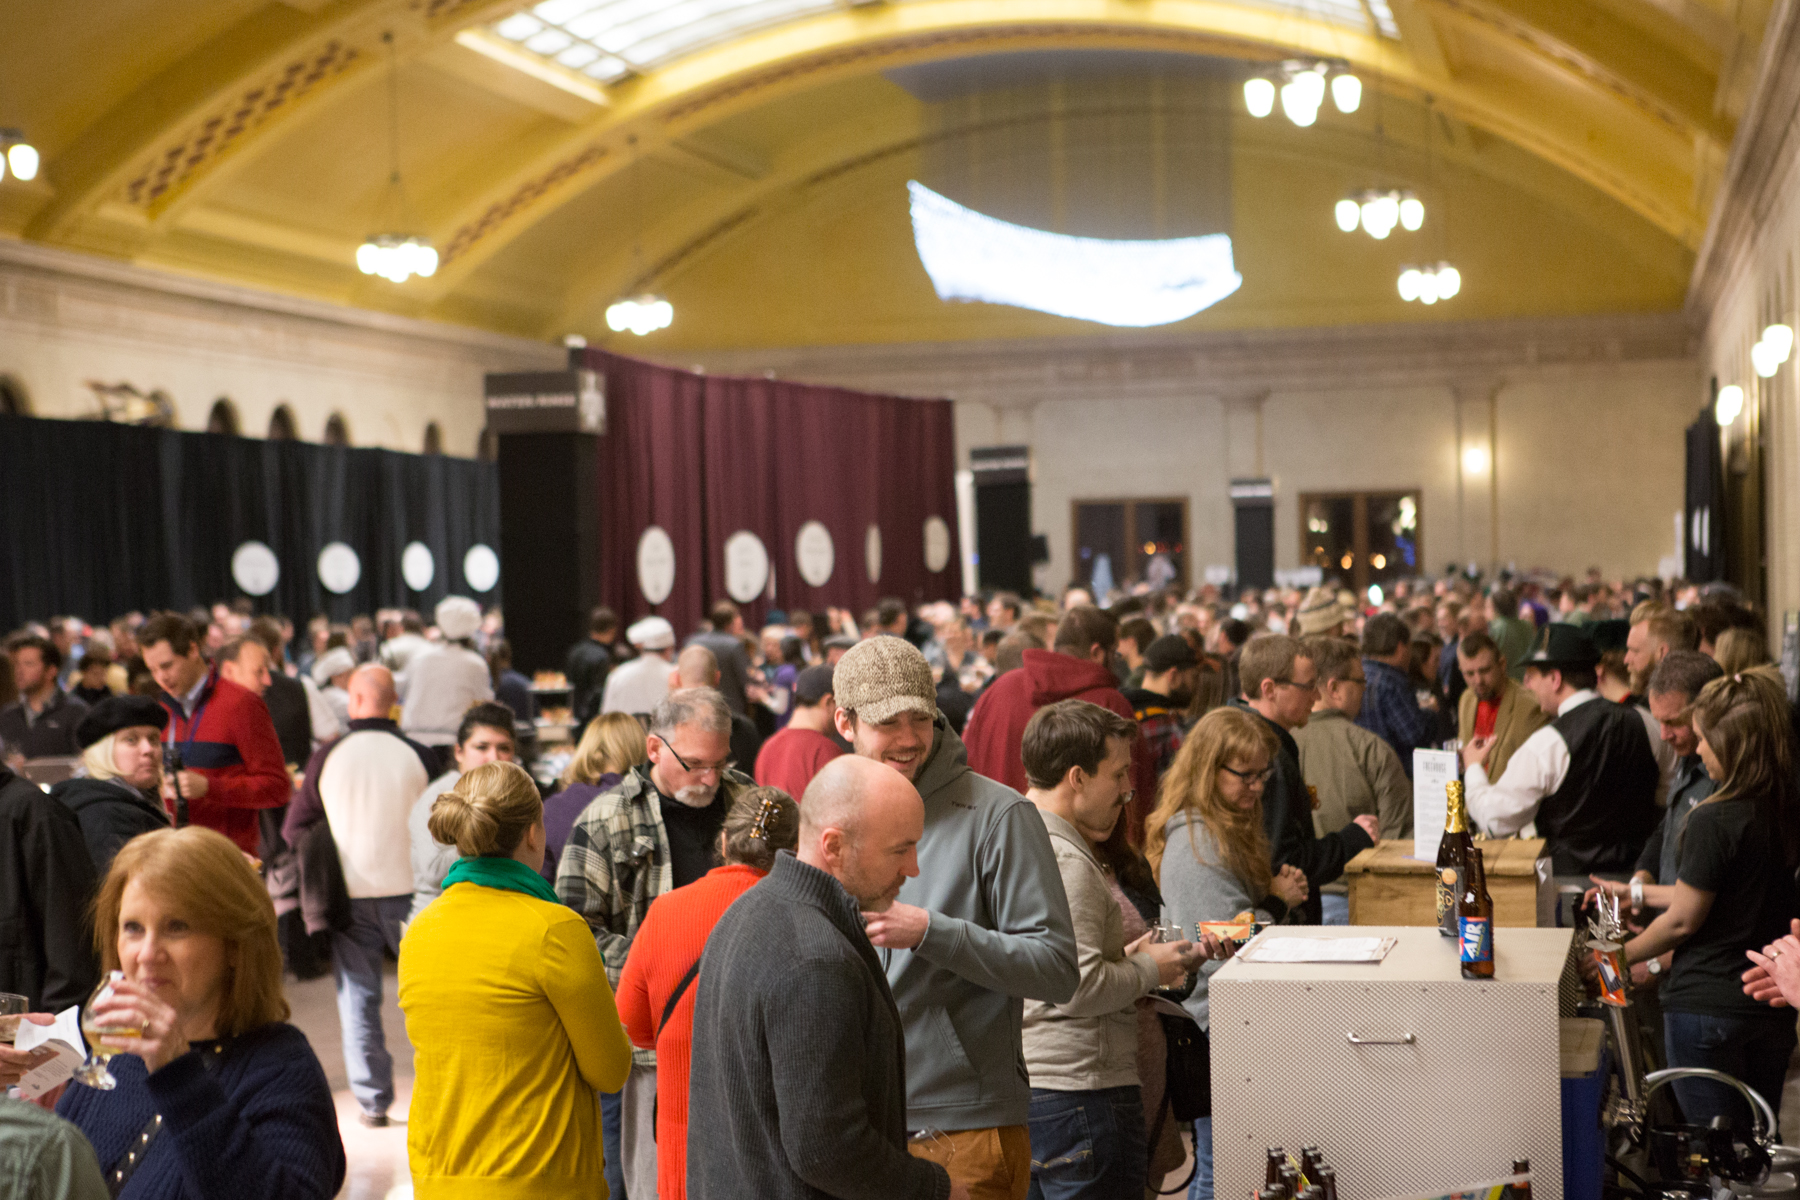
652 833
983 927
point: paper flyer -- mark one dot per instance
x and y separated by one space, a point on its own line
60 1046
1432 770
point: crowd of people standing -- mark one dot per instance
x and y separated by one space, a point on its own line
845 907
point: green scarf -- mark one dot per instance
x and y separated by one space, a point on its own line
508 874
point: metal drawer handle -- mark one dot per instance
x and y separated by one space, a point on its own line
1408 1040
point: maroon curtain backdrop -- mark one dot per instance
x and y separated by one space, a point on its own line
708 456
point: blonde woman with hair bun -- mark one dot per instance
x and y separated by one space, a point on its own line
508 1009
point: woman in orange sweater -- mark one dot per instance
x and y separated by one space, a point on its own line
656 989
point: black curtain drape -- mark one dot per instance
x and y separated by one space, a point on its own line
98 519
1704 538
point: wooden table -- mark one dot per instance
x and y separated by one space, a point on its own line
1389 888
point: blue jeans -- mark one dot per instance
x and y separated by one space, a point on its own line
1088 1144
356 962
1201 1188
1753 1050
609 1145
1337 908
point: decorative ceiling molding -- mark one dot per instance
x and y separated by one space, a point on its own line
1020 373
1765 155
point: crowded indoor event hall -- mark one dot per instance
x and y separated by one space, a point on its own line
900 600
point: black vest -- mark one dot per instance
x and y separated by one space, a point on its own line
1605 810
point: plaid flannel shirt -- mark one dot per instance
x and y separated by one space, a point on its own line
616 862
1390 710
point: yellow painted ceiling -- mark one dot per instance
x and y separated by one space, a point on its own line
760 182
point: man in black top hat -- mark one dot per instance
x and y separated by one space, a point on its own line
1587 779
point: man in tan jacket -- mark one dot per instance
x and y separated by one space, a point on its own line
1350 770
1493 706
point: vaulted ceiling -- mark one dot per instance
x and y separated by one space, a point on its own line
748 157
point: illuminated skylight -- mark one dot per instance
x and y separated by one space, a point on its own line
605 40
970 256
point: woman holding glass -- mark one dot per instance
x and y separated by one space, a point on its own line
508 1009
1205 841
213 1094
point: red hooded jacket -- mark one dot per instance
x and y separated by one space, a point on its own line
233 744
996 729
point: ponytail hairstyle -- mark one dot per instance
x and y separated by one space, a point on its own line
762 820
488 811
1744 718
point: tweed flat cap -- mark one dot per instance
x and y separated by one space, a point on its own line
883 676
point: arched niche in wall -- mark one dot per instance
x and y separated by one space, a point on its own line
282 427
337 430
223 418
434 438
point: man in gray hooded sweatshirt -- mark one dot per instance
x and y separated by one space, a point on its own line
984 927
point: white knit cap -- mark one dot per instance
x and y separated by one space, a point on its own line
334 661
651 633
458 617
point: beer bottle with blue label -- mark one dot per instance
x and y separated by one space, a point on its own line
1453 851
1475 922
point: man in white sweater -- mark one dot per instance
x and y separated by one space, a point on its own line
363 784
1082 1053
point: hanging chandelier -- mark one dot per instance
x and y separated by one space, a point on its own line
1379 211
1430 283
1302 87
642 314
18 154
396 257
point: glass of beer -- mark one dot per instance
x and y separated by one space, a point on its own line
93 1072
12 1008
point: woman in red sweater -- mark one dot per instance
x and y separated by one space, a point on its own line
656 989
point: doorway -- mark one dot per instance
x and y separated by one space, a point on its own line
1361 538
1119 543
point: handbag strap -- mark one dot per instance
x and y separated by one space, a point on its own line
676 995
128 1163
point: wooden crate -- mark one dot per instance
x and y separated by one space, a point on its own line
1389 888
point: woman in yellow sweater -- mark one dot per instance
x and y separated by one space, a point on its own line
508 1010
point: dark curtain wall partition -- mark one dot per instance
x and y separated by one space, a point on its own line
98 519
706 456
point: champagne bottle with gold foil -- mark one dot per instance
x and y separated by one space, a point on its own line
1452 858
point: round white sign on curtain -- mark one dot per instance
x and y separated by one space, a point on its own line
255 569
481 568
655 564
872 553
417 566
937 544
746 566
814 553
339 568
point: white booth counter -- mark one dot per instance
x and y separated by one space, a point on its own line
1409 1078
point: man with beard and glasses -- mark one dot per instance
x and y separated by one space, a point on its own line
983 928
652 833
1171 673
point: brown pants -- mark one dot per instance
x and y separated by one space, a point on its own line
994 1164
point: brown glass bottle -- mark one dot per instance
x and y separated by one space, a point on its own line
1277 1160
1522 1191
1475 922
1453 852
1290 1181
1328 1182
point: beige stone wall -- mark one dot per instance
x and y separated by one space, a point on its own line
66 319
1589 414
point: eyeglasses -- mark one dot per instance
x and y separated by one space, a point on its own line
718 768
1253 778
1312 685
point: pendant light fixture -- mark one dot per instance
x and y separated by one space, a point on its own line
395 256
18 154
646 312
1301 85
1427 282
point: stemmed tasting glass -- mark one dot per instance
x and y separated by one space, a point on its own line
93 1071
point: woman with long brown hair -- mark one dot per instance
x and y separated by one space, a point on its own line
1734 892
1205 841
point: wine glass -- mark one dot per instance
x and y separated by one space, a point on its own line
93 1071
12 1009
